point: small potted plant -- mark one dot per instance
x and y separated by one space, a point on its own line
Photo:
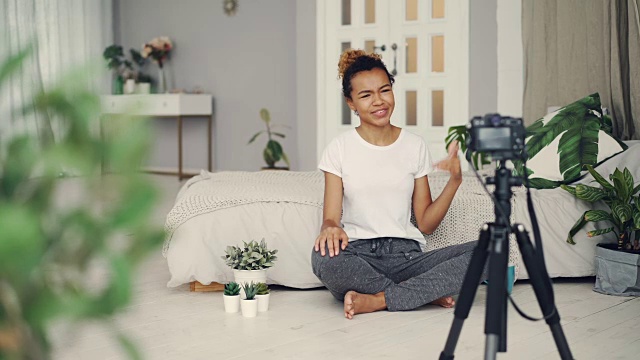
121 66
231 297
273 152
263 297
249 304
250 262
617 269
143 80
123 69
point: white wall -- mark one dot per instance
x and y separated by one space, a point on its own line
496 72
510 60
483 58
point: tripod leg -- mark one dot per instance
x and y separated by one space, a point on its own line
467 292
542 288
496 316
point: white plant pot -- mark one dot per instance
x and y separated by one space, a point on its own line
129 86
143 88
247 276
249 307
263 302
231 303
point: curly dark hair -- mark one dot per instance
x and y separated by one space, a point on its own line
354 61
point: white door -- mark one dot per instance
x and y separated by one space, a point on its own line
423 42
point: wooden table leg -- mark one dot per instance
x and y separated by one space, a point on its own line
179 147
209 140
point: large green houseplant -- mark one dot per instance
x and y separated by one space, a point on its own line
624 207
617 266
273 152
47 248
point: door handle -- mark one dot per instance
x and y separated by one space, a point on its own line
394 47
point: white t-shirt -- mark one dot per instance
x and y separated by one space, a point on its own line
378 183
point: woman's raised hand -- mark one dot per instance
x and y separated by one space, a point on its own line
334 237
451 163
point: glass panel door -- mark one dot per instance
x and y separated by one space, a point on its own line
425 41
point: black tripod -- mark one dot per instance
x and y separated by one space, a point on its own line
494 244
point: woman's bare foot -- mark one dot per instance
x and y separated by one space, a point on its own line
445 302
356 303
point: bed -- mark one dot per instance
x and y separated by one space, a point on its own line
214 210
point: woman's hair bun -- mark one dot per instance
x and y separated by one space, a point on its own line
350 56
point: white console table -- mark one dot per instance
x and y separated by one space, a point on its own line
176 106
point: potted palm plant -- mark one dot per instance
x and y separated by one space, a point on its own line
250 262
617 264
249 304
263 297
231 297
273 152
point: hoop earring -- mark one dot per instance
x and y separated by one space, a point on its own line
355 112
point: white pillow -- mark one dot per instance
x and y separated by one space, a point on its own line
628 158
580 128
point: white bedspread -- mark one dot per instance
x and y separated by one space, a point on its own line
209 192
214 210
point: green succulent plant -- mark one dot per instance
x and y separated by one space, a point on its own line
619 196
252 256
263 289
232 289
250 290
273 152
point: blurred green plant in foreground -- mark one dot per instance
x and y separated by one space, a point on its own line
52 239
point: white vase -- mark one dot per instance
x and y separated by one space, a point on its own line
231 303
263 302
249 307
162 81
129 86
247 276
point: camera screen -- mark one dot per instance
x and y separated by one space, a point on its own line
494 138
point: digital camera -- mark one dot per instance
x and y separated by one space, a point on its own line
502 137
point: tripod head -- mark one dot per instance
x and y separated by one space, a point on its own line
503 181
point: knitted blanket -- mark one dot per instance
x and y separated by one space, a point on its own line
209 192
470 209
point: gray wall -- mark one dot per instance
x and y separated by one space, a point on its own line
246 61
306 85
483 57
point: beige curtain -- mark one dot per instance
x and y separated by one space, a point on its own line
65 35
573 48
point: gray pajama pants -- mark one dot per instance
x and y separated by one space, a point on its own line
409 277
